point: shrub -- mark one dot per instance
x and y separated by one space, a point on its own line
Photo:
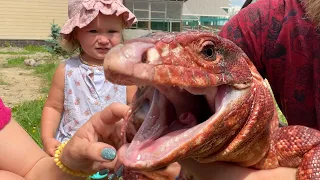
53 46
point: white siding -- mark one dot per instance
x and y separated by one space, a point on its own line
30 19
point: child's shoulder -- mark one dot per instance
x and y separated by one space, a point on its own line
72 61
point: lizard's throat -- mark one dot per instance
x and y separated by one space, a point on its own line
168 118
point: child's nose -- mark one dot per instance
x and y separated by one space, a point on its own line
103 39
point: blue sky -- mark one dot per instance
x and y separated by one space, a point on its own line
237 2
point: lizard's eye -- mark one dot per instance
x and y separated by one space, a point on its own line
208 51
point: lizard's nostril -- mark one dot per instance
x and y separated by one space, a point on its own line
144 57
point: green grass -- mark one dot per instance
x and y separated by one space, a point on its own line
281 117
28 115
46 72
17 53
2 81
30 49
35 49
15 62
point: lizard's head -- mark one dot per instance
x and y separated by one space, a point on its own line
192 99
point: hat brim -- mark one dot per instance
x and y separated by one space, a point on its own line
84 17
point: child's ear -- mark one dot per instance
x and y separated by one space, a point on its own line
75 33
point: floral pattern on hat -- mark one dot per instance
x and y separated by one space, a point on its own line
82 12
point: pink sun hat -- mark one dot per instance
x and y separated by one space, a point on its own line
82 12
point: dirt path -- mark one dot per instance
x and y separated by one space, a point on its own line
18 85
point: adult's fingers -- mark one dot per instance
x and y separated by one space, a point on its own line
99 151
104 122
84 148
113 113
88 156
103 155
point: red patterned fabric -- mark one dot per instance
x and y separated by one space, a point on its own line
5 114
285 47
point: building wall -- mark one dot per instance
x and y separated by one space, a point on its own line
212 8
30 19
209 15
161 15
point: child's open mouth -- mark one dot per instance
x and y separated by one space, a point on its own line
102 50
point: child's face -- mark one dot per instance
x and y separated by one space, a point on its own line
98 37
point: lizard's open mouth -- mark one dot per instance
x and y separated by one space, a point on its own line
169 118
168 123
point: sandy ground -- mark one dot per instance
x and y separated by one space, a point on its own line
19 84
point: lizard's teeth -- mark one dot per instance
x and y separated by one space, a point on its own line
153 56
195 91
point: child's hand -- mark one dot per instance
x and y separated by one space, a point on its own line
50 145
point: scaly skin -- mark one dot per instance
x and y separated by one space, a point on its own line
209 71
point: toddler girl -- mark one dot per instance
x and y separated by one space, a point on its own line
79 88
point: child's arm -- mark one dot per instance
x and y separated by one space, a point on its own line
131 90
52 111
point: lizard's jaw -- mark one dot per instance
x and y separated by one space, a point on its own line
174 122
194 123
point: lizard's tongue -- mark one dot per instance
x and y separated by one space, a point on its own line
158 129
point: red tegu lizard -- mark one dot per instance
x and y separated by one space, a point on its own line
200 97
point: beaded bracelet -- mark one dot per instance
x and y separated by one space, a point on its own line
65 168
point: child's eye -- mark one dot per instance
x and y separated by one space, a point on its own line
112 31
93 31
